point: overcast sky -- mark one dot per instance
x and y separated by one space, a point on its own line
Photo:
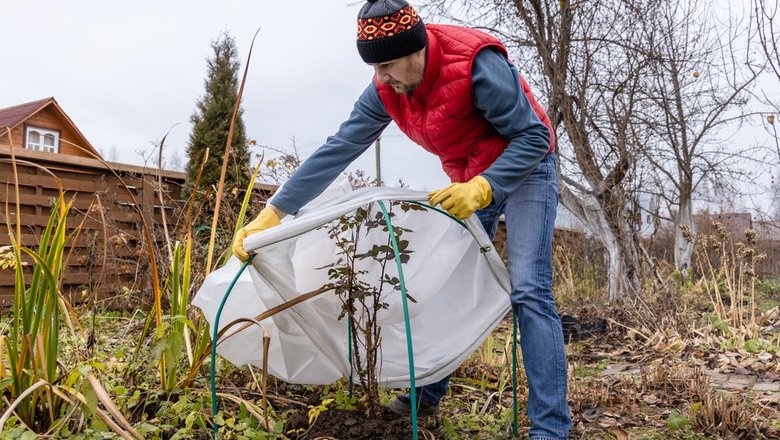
125 72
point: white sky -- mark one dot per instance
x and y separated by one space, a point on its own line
125 72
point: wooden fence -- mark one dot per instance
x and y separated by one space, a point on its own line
108 256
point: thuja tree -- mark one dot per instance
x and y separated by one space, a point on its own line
211 124
362 298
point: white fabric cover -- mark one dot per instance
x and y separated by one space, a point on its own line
460 293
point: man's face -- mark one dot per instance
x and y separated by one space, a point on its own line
402 74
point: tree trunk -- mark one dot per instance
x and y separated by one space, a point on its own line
621 257
684 234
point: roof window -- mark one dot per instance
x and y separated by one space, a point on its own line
41 139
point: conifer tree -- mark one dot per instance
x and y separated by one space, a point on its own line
211 123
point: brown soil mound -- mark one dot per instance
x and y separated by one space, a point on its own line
350 425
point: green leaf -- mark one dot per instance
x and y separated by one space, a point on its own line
719 324
84 370
98 425
98 366
676 420
72 377
120 390
134 399
182 434
189 421
90 396
146 428
752 346
5 383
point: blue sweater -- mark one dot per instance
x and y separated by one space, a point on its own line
497 94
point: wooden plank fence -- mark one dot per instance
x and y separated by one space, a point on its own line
109 206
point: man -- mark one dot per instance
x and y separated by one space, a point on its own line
453 91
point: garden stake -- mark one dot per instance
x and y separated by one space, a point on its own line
514 373
349 344
212 373
266 343
514 334
349 350
413 390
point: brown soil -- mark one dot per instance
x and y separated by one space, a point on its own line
351 425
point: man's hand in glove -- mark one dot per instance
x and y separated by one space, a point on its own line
462 199
268 218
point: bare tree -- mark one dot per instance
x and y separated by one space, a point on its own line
176 162
110 155
696 92
279 163
767 29
767 32
583 56
775 214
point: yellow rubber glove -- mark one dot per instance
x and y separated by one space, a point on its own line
265 220
462 199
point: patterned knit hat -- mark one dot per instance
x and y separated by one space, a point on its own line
389 29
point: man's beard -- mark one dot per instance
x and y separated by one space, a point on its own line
403 89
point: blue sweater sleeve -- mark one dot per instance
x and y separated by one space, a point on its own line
366 122
498 95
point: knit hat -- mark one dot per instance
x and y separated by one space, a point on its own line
389 29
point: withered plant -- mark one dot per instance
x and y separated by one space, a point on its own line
728 271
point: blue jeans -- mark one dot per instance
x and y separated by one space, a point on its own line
530 217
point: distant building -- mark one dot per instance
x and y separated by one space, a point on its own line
43 126
566 220
767 230
645 221
735 223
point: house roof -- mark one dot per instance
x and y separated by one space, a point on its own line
11 117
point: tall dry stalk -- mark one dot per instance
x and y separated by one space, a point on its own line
226 159
149 240
728 271
29 352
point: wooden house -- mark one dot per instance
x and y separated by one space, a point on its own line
43 126
111 203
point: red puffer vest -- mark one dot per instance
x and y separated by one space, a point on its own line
440 115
